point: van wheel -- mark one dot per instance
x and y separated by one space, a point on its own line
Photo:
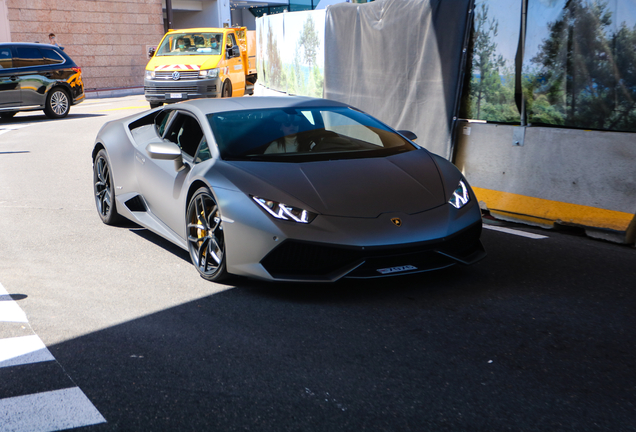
227 89
57 104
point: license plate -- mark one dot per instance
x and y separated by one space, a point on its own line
396 269
176 96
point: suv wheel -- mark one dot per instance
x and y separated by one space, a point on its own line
57 104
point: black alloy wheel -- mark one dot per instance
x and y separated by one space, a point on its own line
103 188
206 241
57 104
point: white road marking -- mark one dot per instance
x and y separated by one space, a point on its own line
48 411
515 232
9 310
39 412
9 128
23 350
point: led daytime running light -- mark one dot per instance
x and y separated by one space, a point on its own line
284 212
460 196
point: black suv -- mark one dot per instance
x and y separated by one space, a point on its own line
38 76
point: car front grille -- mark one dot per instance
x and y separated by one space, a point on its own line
182 74
299 259
171 89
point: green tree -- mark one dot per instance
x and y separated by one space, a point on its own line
274 63
309 42
486 88
585 71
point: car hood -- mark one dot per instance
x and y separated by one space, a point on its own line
405 183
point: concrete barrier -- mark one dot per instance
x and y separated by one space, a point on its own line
546 176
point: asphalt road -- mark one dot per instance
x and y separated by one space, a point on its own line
124 334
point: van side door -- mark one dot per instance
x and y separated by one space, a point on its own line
235 65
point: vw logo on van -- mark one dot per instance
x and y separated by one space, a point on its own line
176 76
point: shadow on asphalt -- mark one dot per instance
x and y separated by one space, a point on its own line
538 336
21 119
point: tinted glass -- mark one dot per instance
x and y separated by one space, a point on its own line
28 56
303 134
5 58
52 56
186 133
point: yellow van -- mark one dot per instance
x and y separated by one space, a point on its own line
201 63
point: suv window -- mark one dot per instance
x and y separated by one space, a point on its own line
5 58
27 56
51 56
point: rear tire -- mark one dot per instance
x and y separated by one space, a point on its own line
104 190
57 104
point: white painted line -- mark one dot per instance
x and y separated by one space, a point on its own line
23 350
9 309
515 232
48 411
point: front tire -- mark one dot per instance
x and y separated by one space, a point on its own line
206 241
57 104
104 190
227 89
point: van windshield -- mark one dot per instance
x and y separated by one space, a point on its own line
177 44
303 134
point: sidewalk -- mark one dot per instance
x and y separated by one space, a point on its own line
259 90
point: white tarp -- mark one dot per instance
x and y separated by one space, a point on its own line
400 61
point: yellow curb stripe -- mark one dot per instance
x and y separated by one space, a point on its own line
528 208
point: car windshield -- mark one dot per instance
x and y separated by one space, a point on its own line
303 134
176 44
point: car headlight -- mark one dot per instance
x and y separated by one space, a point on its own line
209 73
460 196
150 74
284 212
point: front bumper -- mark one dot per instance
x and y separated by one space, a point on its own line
331 247
169 91
295 260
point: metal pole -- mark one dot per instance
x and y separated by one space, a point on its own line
169 13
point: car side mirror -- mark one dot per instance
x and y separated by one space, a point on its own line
151 51
166 150
236 52
408 134
229 52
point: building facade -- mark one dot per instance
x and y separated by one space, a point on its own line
109 39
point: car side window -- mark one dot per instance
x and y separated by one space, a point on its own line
162 120
185 132
6 60
27 56
51 56
204 152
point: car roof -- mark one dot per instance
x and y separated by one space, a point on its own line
29 44
208 106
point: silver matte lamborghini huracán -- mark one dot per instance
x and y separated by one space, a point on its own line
286 189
